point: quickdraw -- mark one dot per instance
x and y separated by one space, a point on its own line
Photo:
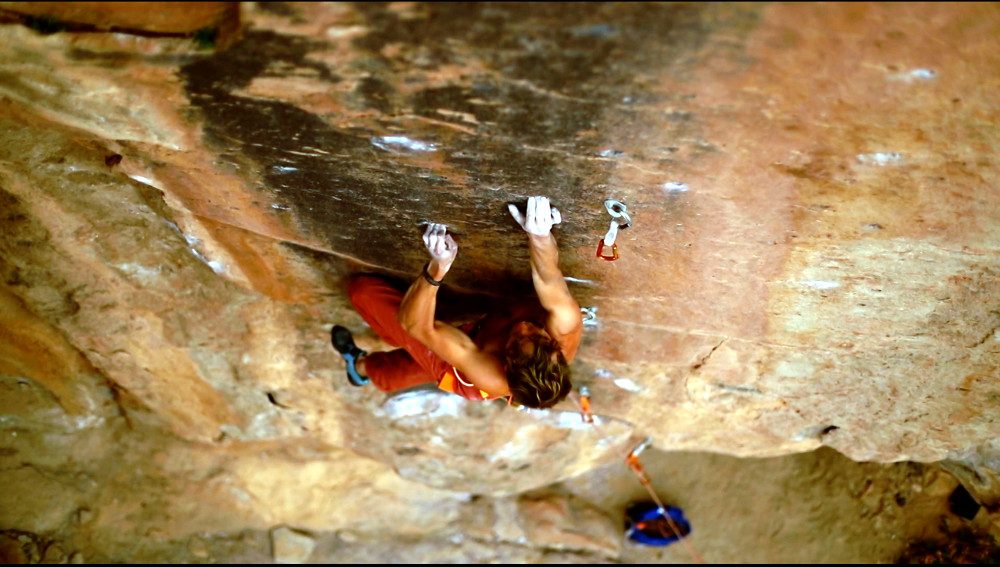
620 220
585 405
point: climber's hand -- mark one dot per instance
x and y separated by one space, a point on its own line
440 245
539 217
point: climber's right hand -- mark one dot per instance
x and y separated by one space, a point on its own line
539 217
440 245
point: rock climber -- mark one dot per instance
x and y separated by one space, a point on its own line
518 351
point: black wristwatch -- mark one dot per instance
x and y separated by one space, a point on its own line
428 278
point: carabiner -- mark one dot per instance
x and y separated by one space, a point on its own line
619 221
609 240
600 251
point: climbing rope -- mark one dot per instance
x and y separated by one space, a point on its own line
633 462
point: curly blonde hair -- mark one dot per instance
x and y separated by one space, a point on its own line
540 379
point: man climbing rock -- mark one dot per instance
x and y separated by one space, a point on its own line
520 352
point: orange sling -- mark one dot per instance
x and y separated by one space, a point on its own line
447 383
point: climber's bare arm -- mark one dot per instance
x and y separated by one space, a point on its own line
417 316
482 370
565 322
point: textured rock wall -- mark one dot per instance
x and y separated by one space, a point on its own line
216 20
813 259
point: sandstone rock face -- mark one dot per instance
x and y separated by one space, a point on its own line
134 17
429 436
813 259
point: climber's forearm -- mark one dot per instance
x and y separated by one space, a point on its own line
419 305
550 285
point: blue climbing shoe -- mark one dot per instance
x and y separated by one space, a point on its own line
344 343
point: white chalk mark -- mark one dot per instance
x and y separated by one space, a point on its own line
820 284
217 267
881 158
139 270
571 420
675 187
390 143
628 385
143 180
423 402
921 74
